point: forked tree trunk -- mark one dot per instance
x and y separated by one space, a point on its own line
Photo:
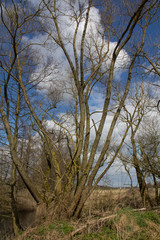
78 203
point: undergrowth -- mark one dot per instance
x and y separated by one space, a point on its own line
57 230
127 225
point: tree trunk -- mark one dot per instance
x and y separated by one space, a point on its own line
16 223
156 189
27 181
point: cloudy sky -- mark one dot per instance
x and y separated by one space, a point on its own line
58 68
54 71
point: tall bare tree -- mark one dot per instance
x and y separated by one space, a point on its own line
148 141
92 61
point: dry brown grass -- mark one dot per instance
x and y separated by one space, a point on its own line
110 200
100 204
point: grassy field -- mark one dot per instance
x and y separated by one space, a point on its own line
127 225
111 200
108 214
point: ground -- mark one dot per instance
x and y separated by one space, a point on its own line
108 214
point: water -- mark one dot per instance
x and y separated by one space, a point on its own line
6 228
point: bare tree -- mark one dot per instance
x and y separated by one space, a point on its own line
135 114
91 63
148 141
12 106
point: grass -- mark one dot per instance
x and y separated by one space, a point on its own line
104 233
138 225
140 218
58 229
128 225
63 227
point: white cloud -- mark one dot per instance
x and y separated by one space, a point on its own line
58 74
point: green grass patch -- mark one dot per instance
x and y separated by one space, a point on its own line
141 218
52 226
104 233
43 231
61 227
152 217
20 233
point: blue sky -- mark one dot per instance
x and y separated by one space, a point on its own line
58 77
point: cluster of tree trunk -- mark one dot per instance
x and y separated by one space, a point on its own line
62 160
